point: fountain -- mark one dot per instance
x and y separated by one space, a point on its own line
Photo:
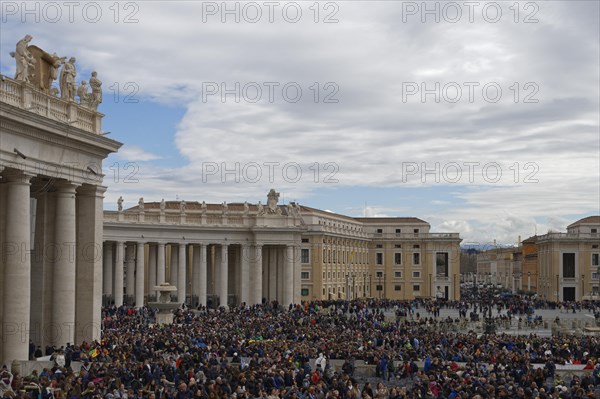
164 305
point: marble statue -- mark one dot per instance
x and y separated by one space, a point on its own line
96 86
55 63
163 205
225 207
261 208
120 204
182 206
272 199
203 207
67 80
141 204
83 94
24 59
246 208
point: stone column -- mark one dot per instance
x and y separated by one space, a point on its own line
130 270
265 275
161 266
202 276
288 276
107 271
152 252
88 292
63 299
118 286
195 271
224 271
245 275
297 295
139 275
174 265
42 267
17 269
257 283
181 275
273 274
280 256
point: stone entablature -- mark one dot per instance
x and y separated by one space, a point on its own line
180 213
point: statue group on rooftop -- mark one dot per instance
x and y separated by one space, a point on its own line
26 72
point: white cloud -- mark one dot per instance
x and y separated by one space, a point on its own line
134 153
372 134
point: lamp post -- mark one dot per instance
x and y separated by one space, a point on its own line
598 273
557 296
347 286
528 281
364 284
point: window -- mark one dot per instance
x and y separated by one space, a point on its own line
379 274
323 275
398 274
416 258
595 259
416 274
416 287
305 275
397 288
416 231
441 264
569 265
379 259
378 246
594 276
594 231
323 291
397 258
379 231
595 246
416 246
304 292
379 287
398 246
329 275
305 240
304 255
398 231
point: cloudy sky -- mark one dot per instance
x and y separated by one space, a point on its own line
481 118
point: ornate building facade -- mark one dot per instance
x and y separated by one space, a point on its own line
220 254
51 193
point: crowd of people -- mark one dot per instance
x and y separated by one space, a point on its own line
317 350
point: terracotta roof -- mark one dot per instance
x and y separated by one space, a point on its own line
365 220
392 220
530 240
325 213
589 219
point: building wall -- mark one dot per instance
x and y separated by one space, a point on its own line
373 257
557 281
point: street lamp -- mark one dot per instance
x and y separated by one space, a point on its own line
598 273
528 281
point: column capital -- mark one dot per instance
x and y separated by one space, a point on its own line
17 176
91 190
65 187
